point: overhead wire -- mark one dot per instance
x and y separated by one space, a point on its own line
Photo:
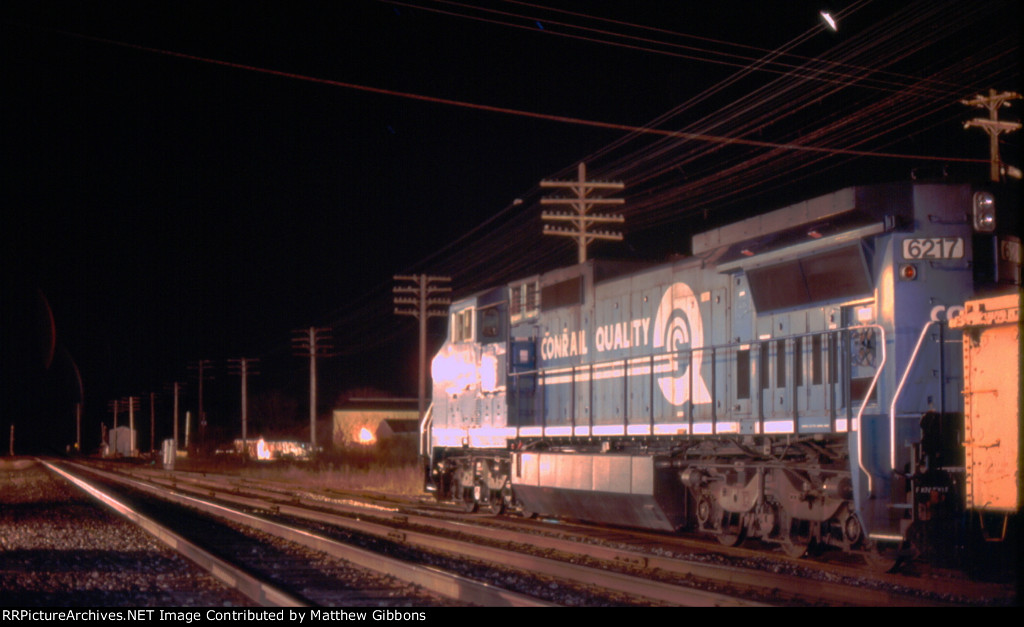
611 38
657 195
483 255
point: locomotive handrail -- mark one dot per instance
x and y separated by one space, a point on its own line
899 390
864 403
686 355
426 443
860 410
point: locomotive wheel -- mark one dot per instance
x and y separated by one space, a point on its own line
496 504
884 559
469 504
704 509
464 496
731 532
799 539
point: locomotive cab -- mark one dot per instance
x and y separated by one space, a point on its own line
466 432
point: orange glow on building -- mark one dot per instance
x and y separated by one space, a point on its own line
366 437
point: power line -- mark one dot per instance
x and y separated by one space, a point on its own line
702 137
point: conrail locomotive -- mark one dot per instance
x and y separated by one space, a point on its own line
841 372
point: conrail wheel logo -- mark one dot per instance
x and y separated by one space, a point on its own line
678 328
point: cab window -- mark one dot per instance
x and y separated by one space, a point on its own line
462 325
491 327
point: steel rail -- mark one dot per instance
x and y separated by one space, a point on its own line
259 591
631 585
783 584
432 579
786 586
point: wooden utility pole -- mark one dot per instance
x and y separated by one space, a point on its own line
133 403
582 202
176 386
152 421
992 125
244 367
202 368
313 342
113 405
421 301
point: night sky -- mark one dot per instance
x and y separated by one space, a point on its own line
198 180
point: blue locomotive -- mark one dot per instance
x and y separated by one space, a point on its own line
795 380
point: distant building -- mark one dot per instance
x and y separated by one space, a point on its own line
369 420
120 442
403 428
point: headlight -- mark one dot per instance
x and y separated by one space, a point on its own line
984 212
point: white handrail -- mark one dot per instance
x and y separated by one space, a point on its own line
426 441
899 390
863 404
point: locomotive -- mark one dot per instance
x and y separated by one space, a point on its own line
799 379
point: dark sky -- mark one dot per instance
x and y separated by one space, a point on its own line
197 180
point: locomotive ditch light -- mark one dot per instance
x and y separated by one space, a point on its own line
984 212
908 272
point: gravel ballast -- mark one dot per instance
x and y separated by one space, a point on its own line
59 548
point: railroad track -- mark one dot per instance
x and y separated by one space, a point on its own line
537 579
775 579
258 565
628 573
276 565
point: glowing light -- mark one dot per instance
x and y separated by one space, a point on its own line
262 451
366 436
825 15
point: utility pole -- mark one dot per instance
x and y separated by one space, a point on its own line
581 202
113 405
421 301
313 342
152 422
78 427
133 403
992 125
202 368
176 387
243 367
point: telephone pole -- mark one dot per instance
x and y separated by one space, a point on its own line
114 407
581 202
133 403
313 342
244 367
176 387
421 300
992 125
202 368
152 422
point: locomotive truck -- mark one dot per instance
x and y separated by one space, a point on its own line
841 372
